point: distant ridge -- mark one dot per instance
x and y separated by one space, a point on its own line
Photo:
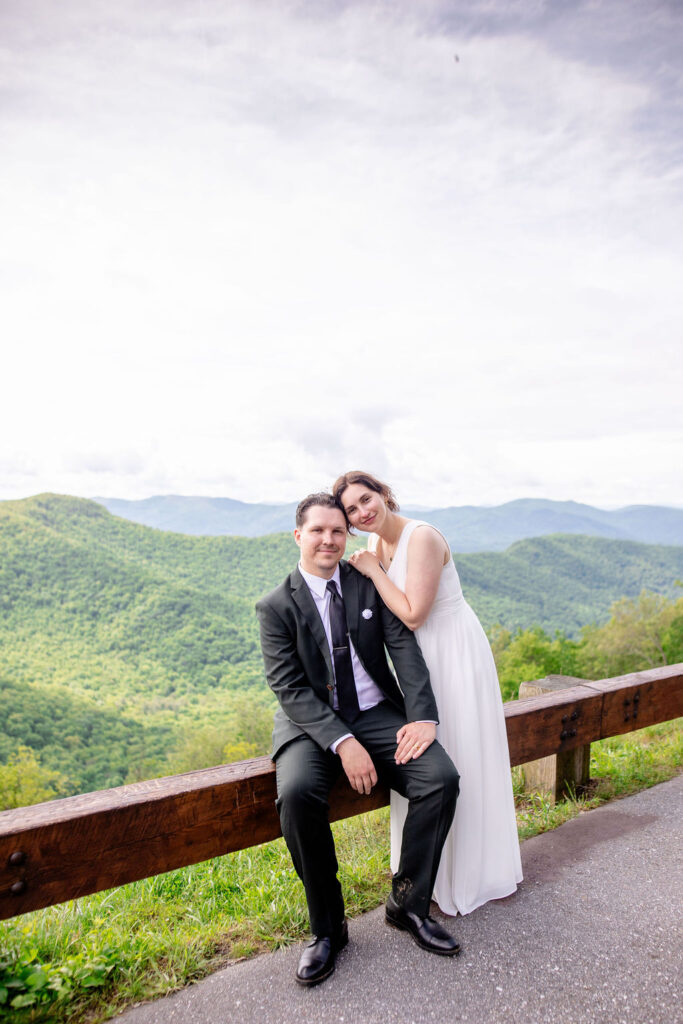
467 527
204 517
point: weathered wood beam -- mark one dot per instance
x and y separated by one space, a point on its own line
63 849
560 721
552 723
640 698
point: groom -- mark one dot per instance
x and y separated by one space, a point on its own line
323 636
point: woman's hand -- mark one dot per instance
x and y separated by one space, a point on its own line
413 739
366 562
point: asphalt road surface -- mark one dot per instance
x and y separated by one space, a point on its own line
592 936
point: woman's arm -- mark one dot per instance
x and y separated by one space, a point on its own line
427 552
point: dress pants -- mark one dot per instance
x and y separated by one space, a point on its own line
305 774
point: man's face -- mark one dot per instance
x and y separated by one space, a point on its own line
322 540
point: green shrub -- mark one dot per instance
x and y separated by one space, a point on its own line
30 985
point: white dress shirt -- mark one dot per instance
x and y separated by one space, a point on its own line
369 693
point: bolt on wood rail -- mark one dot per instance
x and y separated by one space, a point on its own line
64 849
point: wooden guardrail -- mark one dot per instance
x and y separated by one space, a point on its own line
63 849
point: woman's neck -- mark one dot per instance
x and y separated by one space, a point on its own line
392 528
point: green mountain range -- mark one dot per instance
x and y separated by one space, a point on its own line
467 527
115 638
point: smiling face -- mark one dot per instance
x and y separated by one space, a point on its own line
322 540
365 508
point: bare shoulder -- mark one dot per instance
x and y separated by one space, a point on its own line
427 542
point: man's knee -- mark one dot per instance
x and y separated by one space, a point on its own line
446 775
297 795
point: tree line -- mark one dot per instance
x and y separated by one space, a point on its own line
642 632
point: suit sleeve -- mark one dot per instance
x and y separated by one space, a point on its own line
288 681
410 667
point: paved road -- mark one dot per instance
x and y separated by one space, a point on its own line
591 937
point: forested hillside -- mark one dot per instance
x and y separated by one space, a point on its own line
563 582
123 649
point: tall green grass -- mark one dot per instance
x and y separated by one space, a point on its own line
82 961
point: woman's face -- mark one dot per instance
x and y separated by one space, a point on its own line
365 508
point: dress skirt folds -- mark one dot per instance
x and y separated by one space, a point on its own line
481 859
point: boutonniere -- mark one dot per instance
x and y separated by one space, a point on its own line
367 613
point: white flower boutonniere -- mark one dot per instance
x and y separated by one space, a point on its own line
367 613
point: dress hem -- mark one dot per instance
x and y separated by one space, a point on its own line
486 899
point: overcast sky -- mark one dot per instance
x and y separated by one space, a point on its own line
245 246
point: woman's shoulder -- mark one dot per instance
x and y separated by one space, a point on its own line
422 535
427 531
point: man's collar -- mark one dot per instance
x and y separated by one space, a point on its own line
318 584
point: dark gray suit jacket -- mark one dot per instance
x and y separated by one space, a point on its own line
299 665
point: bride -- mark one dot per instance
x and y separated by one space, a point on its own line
410 564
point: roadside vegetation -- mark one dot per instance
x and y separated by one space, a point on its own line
84 960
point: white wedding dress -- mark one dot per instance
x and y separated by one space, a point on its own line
480 860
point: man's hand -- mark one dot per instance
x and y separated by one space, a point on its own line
413 739
357 763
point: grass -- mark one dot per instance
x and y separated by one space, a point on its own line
83 961
620 766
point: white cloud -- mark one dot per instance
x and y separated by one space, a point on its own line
247 246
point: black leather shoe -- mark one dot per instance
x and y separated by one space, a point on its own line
317 960
427 932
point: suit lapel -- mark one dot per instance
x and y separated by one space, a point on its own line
301 596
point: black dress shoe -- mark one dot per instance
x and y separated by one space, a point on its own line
427 932
317 960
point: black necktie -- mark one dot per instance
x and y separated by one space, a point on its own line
347 696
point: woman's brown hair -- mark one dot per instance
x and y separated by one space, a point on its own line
356 476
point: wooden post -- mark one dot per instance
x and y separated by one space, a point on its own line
568 771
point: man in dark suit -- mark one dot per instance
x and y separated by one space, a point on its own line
323 636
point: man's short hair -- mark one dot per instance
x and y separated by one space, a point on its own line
322 498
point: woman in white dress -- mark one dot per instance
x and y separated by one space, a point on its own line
410 563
